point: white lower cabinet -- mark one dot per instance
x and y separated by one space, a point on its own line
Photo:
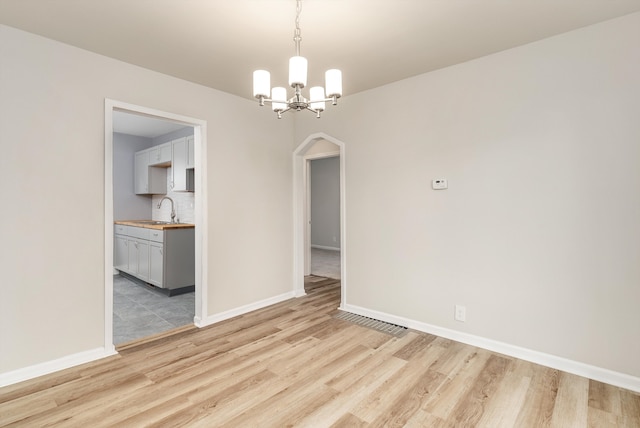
164 258
155 263
142 250
121 253
132 256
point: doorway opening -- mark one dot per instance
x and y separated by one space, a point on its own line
330 238
323 202
127 129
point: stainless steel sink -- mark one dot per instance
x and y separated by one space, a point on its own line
153 222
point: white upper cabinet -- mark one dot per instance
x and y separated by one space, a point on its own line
190 153
149 180
160 155
151 164
179 165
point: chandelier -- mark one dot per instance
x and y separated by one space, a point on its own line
297 80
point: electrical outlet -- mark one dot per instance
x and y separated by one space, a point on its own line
460 313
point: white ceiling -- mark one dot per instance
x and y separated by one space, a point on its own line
142 126
218 43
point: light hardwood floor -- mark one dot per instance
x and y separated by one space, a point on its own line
292 364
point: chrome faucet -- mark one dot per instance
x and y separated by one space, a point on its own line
173 212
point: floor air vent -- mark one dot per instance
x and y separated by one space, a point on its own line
384 327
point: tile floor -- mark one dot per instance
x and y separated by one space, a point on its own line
140 311
325 263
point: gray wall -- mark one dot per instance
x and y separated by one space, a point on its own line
325 202
126 204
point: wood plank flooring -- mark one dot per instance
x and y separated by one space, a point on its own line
294 365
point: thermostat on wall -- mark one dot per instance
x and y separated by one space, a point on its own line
439 184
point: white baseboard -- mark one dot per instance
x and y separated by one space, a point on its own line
299 292
42 369
323 247
244 309
621 380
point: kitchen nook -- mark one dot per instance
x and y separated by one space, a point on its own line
154 227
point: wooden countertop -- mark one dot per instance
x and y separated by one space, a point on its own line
148 224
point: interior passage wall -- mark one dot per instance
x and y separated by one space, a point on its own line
325 203
538 234
52 133
126 204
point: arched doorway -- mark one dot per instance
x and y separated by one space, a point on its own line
302 245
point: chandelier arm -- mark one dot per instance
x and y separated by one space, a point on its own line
279 112
293 100
317 112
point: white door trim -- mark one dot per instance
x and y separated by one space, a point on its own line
300 223
200 146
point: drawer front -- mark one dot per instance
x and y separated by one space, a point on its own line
121 229
138 232
156 235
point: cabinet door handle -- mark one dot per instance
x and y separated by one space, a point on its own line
160 251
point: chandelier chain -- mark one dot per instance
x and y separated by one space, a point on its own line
296 34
